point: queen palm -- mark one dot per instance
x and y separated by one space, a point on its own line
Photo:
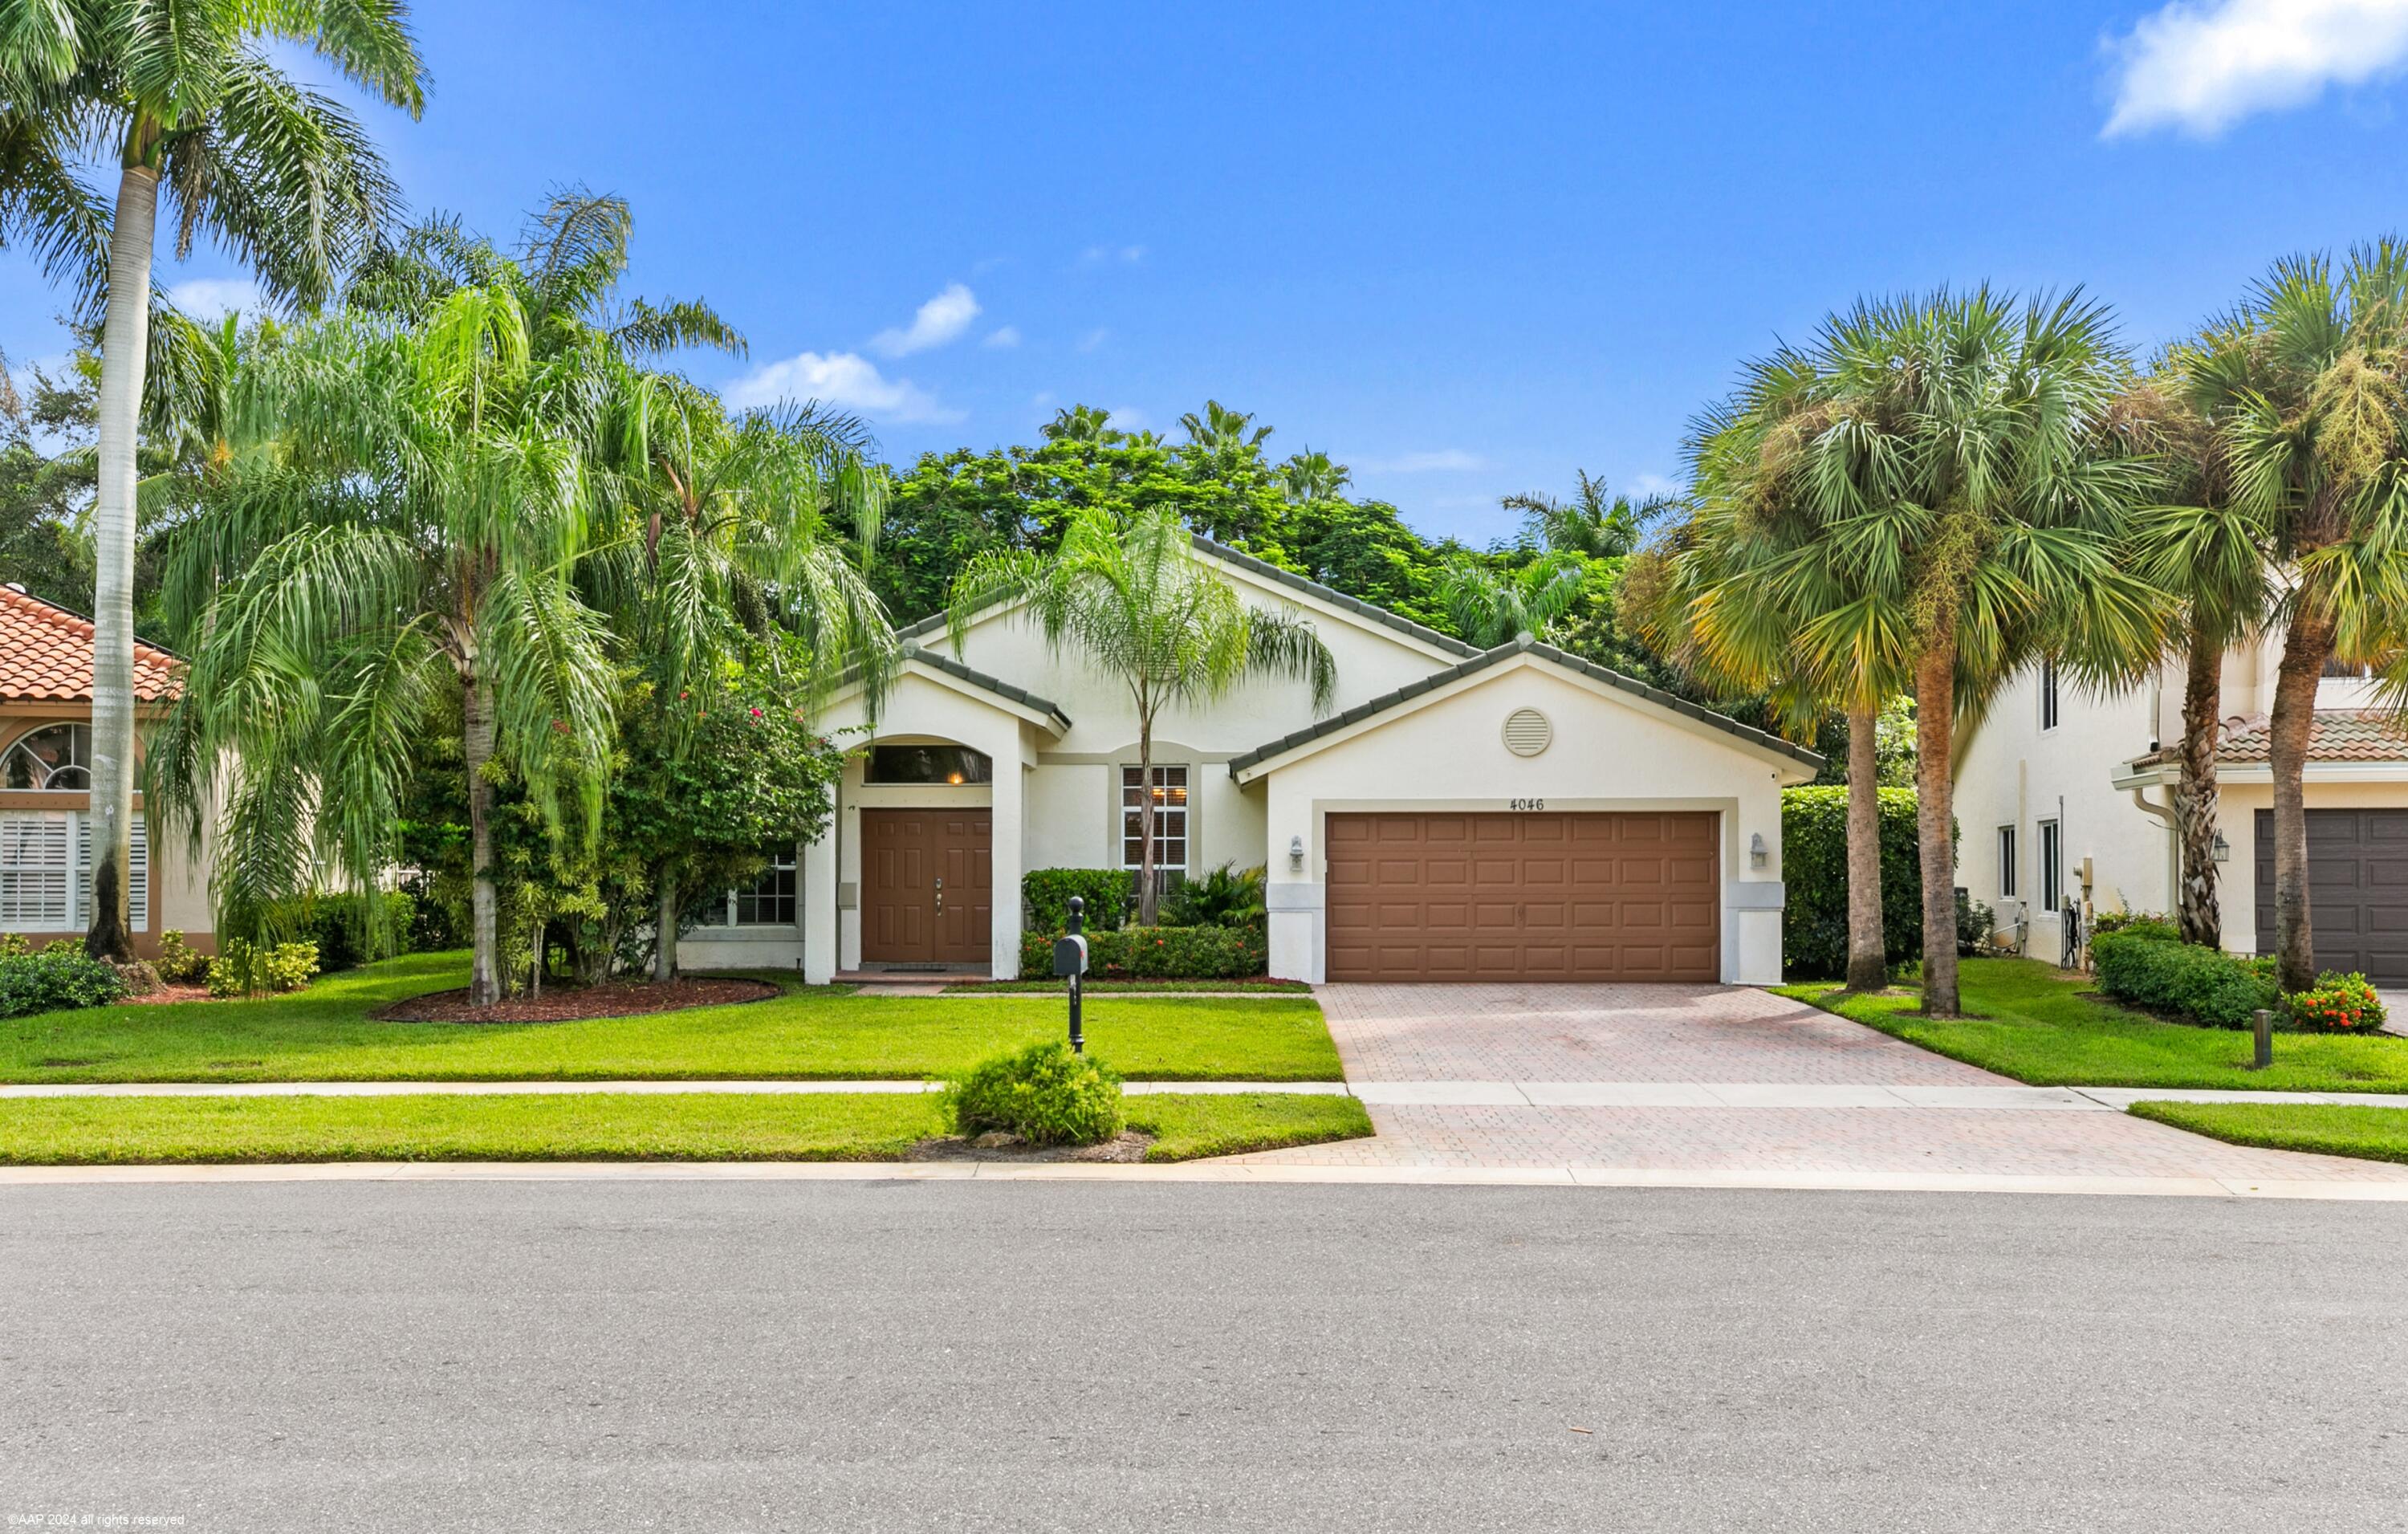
1130 593
1594 523
182 94
396 557
1948 459
2307 386
1489 606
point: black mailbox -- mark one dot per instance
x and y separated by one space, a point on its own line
1070 955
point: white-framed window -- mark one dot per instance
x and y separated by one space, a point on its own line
2052 870
2048 710
55 759
2006 862
1170 819
46 872
770 900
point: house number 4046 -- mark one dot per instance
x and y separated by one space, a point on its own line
1528 804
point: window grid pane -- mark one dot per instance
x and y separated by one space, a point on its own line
1170 819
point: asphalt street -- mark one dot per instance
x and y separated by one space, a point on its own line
890 1356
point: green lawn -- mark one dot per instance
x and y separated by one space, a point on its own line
2374 1134
324 1034
2036 1024
597 1126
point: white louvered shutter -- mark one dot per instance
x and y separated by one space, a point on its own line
35 868
137 882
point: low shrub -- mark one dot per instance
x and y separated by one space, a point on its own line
179 962
2139 923
241 969
2339 1004
1045 896
1044 1094
349 930
2199 985
1156 953
1226 897
1815 877
1975 921
59 978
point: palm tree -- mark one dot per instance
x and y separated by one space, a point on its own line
396 556
184 92
1490 606
1593 524
2209 555
2304 383
1949 458
1220 427
1082 424
1131 596
1310 477
741 524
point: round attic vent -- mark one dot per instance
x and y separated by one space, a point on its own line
1527 732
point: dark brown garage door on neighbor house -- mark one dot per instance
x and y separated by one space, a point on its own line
2357 890
1598 897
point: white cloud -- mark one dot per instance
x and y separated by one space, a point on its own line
942 319
1007 335
1094 339
1442 461
1644 485
1096 255
215 298
2203 67
845 380
1128 418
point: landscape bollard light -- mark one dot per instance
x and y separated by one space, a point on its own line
2265 1041
1070 962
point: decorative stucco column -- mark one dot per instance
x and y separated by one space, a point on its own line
1009 839
819 892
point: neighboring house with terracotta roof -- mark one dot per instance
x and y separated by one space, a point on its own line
46 785
2067 796
1455 813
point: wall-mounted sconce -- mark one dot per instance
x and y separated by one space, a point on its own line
2223 849
1756 854
1296 854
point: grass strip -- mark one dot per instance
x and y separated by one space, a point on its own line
1187 1125
2370 1134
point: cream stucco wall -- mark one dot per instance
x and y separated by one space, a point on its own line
1610 751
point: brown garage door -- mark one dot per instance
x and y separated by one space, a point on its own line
1516 897
2357 890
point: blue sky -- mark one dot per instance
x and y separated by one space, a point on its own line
1464 249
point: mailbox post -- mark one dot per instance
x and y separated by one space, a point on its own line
1071 962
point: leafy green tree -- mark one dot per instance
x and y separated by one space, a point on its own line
406 551
1490 606
2307 386
187 95
1129 594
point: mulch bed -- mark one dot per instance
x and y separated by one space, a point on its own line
167 993
1130 1146
575 1003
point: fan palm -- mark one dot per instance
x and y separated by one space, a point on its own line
1490 606
1941 470
185 93
2307 386
1130 594
399 553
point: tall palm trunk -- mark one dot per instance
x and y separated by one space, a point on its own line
2197 910
1867 957
124 345
1935 719
477 745
666 930
1147 906
2306 647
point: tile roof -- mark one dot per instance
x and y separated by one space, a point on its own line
1481 661
2337 735
46 656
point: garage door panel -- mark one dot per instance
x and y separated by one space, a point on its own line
2357 890
1584 895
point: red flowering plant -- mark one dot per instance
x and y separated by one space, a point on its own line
2338 1004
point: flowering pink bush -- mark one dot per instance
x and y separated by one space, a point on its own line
2339 1004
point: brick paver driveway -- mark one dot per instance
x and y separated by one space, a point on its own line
1668 1045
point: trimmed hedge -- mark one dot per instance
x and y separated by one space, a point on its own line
1815 875
1044 1094
1156 953
2204 985
1045 896
57 979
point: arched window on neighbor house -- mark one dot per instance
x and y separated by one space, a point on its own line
56 759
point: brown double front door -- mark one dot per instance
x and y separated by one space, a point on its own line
926 887
1594 897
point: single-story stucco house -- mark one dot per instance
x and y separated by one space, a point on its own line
1514 814
46 786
